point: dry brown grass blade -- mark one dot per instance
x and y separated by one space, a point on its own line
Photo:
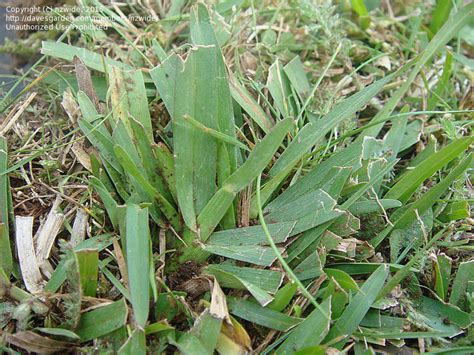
15 114
79 227
30 270
47 235
84 81
34 343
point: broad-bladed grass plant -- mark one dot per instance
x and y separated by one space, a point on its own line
240 194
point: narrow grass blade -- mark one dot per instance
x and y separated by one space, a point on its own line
114 280
203 34
355 311
443 85
312 133
359 7
6 257
109 202
342 278
92 124
59 332
408 214
310 332
277 85
248 103
143 183
157 327
91 59
370 206
447 32
253 166
408 184
365 268
137 253
265 317
216 134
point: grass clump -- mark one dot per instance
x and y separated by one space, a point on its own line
238 177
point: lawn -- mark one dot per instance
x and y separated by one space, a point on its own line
240 176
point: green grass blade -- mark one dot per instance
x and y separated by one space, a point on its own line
309 332
265 317
253 166
251 235
88 262
258 255
6 257
109 202
312 133
138 262
361 10
128 98
440 14
408 214
91 59
294 70
92 124
464 275
442 273
202 33
102 321
357 308
448 31
408 184
164 78
443 84
258 282
283 297
248 103
277 85
141 181
195 153
135 344
216 134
